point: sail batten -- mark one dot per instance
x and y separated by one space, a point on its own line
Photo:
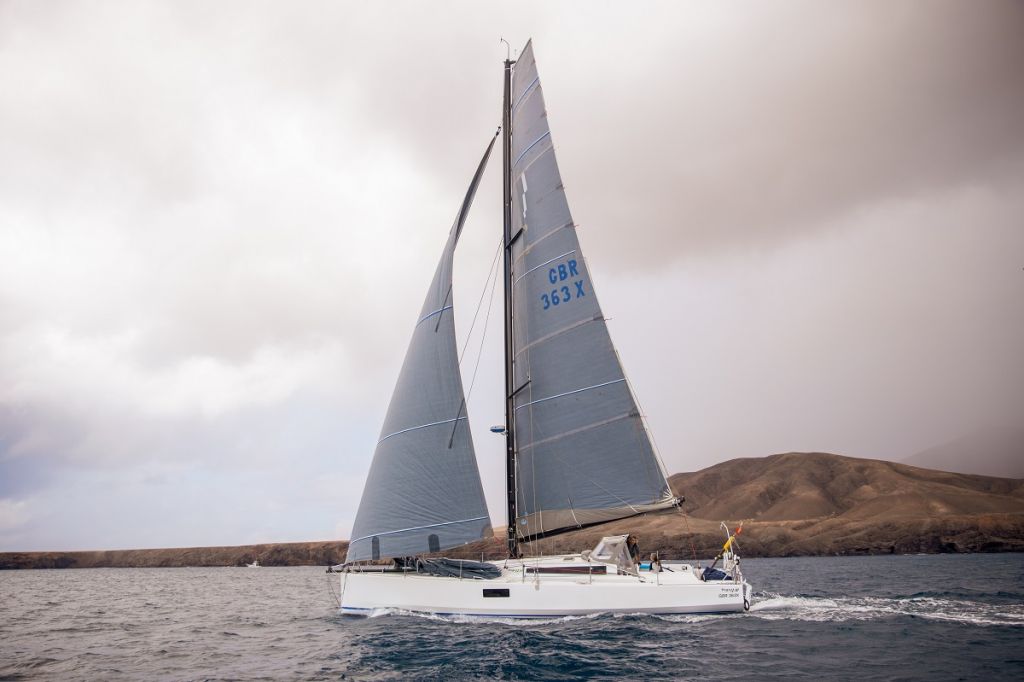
423 492
547 262
536 342
531 146
583 453
526 91
581 429
421 426
433 313
430 525
562 395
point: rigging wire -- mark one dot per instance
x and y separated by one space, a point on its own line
463 404
330 587
490 273
689 537
645 420
487 318
657 453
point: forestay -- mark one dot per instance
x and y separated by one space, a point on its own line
583 453
423 492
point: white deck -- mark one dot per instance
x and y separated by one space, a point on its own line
522 592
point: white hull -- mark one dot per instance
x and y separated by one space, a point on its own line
520 593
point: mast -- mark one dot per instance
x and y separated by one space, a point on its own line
510 445
582 456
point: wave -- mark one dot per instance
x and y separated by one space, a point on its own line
520 622
773 606
500 620
820 609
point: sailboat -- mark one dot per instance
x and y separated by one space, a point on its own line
577 451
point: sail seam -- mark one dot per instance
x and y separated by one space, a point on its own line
637 509
540 240
436 312
430 525
421 426
557 332
573 432
547 262
532 145
527 91
562 395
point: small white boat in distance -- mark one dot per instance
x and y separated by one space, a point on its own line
254 564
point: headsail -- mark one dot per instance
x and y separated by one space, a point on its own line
423 493
583 454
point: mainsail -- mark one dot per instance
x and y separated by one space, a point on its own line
423 492
583 454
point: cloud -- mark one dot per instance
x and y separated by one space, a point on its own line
12 514
890 331
218 222
781 119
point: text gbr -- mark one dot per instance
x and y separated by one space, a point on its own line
563 293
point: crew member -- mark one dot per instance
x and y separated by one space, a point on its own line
634 549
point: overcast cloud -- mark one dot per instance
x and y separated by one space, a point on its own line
806 222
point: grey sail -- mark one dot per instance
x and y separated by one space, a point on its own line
583 453
423 492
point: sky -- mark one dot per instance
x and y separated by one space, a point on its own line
218 221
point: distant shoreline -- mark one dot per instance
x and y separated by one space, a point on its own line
270 554
330 553
792 504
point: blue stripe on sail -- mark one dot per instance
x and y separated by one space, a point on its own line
532 145
547 262
436 312
432 525
561 395
526 92
421 426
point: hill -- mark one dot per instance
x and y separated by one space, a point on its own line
797 486
817 503
790 504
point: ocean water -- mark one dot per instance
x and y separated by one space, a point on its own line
893 617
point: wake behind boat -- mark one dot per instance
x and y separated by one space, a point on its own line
577 450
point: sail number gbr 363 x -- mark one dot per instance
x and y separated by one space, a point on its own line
568 285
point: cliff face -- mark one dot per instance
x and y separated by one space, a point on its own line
790 504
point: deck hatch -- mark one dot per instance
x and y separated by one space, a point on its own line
493 592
